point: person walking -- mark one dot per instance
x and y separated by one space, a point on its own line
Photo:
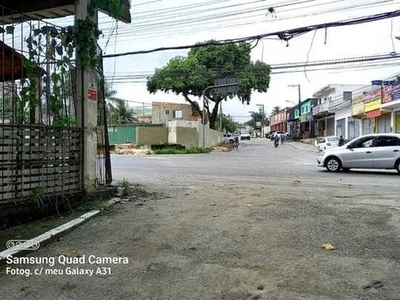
341 141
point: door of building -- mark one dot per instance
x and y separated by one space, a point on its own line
330 126
384 124
368 126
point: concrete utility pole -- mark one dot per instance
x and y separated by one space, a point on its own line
298 87
87 108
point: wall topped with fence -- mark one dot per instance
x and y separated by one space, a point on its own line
40 142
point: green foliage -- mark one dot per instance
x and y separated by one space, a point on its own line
275 110
190 150
119 112
257 117
189 76
227 124
112 7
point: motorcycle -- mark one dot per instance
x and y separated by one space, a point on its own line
276 143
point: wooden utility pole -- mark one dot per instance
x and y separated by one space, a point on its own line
86 108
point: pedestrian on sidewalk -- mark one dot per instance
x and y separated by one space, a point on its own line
341 141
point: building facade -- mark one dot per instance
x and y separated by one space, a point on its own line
306 119
293 124
163 112
331 99
278 121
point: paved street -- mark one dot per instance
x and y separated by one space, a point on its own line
248 224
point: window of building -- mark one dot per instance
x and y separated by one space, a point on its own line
177 114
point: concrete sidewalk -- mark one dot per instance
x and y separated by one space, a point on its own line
303 146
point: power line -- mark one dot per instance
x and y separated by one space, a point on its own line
283 35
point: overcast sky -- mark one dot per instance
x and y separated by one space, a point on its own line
182 22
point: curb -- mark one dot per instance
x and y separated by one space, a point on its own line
47 237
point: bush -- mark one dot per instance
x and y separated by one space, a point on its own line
190 150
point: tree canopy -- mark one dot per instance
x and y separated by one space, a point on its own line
275 110
257 117
189 76
227 124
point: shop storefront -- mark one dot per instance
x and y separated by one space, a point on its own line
392 108
372 111
353 128
330 126
368 126
383 123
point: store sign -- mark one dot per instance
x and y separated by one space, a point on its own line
92 94
395 92
372 96
358 99
373 105
357 109
386 97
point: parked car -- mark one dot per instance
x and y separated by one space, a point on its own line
373 151
327 142
245 135
229 138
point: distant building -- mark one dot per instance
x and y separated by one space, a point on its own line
278 121
163 112
144 119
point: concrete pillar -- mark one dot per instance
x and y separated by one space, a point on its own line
87 109
393 122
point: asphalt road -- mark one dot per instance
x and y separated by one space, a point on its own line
255 159
248 224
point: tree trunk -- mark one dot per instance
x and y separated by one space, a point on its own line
214 113
194 105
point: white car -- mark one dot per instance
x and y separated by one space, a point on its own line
245 135
229 138
373 151
327 142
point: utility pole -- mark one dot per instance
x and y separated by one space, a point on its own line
220 117
299 90
86 108
143 109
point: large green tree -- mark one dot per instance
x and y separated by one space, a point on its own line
257 117
227 124
189 76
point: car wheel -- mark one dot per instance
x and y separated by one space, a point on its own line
333 164
398 166
231 141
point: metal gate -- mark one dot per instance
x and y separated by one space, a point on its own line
40 143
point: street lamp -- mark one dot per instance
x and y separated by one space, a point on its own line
291 102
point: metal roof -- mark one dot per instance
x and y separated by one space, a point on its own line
14 11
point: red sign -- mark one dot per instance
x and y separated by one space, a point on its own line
374 114
92 94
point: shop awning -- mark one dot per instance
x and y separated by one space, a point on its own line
391 105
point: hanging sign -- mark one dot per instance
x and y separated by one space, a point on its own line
92 94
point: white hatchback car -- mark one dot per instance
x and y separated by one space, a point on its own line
327 142
373 151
